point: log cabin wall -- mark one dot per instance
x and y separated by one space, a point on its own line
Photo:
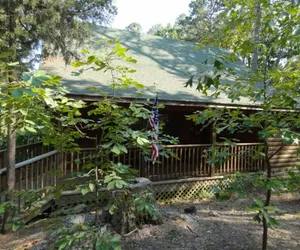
283 157
176 124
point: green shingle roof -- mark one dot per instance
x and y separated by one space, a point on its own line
163 66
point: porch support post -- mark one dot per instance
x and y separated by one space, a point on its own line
214 143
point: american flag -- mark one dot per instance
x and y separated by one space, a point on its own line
153 120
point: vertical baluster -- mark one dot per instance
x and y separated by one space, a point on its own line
154 170
26 177
47 160
205 166
183 161
193 155
65 163
42 173
162 169
229 160
234 159
172 164
77 163
165 167
197 161
180 162
37 167
175 167
31 175
19 178
141 170
201 161
72 163
189 161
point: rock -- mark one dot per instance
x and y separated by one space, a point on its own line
213 213
190 210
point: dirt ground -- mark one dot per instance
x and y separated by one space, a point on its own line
216 225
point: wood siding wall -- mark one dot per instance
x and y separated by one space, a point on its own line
283 157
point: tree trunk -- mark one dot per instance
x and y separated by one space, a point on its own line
214 143
11 155
268 196
10 170
256 36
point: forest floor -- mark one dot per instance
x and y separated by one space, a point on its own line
216 225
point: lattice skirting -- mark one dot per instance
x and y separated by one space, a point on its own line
187 189
172 191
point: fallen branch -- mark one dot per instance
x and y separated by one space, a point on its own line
191 230
125 235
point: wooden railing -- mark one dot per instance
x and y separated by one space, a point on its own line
35 173
190 161
25 152
193 162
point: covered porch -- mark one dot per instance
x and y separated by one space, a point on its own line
39 166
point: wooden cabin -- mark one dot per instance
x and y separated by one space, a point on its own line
163 66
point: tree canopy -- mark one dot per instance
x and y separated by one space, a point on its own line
202 25
60 25
134 27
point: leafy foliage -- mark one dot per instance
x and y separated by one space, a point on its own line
30 104
203 24
272 86
61 25
84 237
134 27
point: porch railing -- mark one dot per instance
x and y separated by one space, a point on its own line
25 152
34 173
190 161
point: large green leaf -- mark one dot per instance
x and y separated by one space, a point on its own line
16 93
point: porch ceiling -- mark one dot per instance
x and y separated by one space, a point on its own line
163 66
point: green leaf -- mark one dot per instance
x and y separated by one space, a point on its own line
91 59
30 129
107 145
259 202
84 191
85 51
75 73
119 184
29 92
17 225
140 208
130 59
6 54
142 141
123 148
28 121
116 149
218 64
2 209
189 82
92 186
26 76
16 93
57 194
77 64
77 161
111 185
62 244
